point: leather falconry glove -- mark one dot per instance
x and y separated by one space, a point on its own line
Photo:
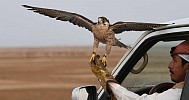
102 74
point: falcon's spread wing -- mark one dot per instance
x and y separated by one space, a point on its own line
119 27
73 18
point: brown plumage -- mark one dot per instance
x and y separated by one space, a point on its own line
102 30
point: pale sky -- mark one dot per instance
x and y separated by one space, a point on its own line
22 28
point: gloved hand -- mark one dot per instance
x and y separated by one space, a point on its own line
102 74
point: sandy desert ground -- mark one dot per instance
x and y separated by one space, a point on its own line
47 73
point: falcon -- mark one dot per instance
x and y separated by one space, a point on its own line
102 30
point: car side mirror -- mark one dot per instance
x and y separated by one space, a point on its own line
84 93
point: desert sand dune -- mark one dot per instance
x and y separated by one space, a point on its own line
47 73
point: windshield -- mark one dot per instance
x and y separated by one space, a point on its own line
156 70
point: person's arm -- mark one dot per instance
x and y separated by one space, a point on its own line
121 93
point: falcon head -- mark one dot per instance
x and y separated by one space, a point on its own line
103 21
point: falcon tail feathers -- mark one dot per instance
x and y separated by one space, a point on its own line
121 45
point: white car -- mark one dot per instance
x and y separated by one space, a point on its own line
149 74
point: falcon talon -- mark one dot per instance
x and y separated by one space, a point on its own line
105 55
92 57
104 60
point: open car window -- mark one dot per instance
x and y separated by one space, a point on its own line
156 71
